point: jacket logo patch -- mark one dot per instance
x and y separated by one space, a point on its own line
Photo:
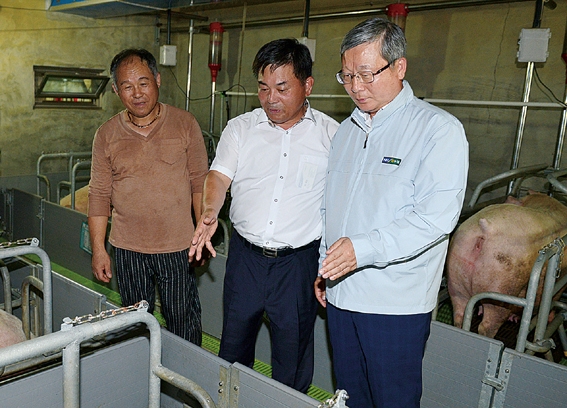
391 160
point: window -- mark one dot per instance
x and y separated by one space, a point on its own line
61 87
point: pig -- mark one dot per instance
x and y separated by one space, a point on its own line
495 250
11 331
81 200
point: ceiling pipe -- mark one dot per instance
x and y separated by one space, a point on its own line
364 13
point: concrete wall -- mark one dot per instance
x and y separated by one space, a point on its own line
466 53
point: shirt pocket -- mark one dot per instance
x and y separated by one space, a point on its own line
311 171
171 150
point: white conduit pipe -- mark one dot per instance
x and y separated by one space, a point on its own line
553 105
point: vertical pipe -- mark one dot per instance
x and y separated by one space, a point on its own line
7 288
563 126
189 63
522 121
168 27
547 295
71 375
306 19
526 97
560 137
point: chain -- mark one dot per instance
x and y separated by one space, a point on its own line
559 243
337 401
561 246
68 322
24 241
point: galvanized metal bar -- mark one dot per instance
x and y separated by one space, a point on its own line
71 375
522 120
78 166
507 175
561 136
61 339
185 384
26 301
7 284
47 282
46 156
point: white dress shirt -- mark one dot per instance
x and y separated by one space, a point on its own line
278 176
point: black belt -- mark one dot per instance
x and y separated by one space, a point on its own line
275 252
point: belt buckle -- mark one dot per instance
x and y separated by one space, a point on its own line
270 252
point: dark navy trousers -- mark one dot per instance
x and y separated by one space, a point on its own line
378 358
282 288
137 275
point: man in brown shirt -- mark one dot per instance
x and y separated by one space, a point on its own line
148 166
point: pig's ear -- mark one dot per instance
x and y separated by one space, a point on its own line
513 200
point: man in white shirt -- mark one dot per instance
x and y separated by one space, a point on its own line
274 159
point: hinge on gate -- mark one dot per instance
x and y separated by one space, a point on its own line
495 383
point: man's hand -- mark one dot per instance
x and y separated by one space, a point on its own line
101 266
320 290
340 260
201 241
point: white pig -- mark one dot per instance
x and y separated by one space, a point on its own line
495 250
11 331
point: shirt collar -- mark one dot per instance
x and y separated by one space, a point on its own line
366 122
263 118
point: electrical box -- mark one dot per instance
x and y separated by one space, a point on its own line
310 44
168 55
533 44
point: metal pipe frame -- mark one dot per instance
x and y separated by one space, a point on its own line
7 285
47 281
550 255
72 184
521 172
69 340
26 303
552 178
46 156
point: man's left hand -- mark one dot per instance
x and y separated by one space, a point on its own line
340 260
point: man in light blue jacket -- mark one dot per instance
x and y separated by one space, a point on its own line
395 187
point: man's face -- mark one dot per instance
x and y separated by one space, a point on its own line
386 85
282 95
136 86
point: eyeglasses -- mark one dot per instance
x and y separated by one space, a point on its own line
366 77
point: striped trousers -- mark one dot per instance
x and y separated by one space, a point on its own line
138 274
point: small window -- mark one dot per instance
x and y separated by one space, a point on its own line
60 87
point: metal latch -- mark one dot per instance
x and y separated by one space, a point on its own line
495 383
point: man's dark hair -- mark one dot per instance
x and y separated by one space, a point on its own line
282 52
123 55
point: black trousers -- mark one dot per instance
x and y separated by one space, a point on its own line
283 289
138 274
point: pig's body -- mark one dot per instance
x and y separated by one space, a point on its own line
11 331
495 250
81 199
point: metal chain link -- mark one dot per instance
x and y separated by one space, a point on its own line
559 243
24 241
140 306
